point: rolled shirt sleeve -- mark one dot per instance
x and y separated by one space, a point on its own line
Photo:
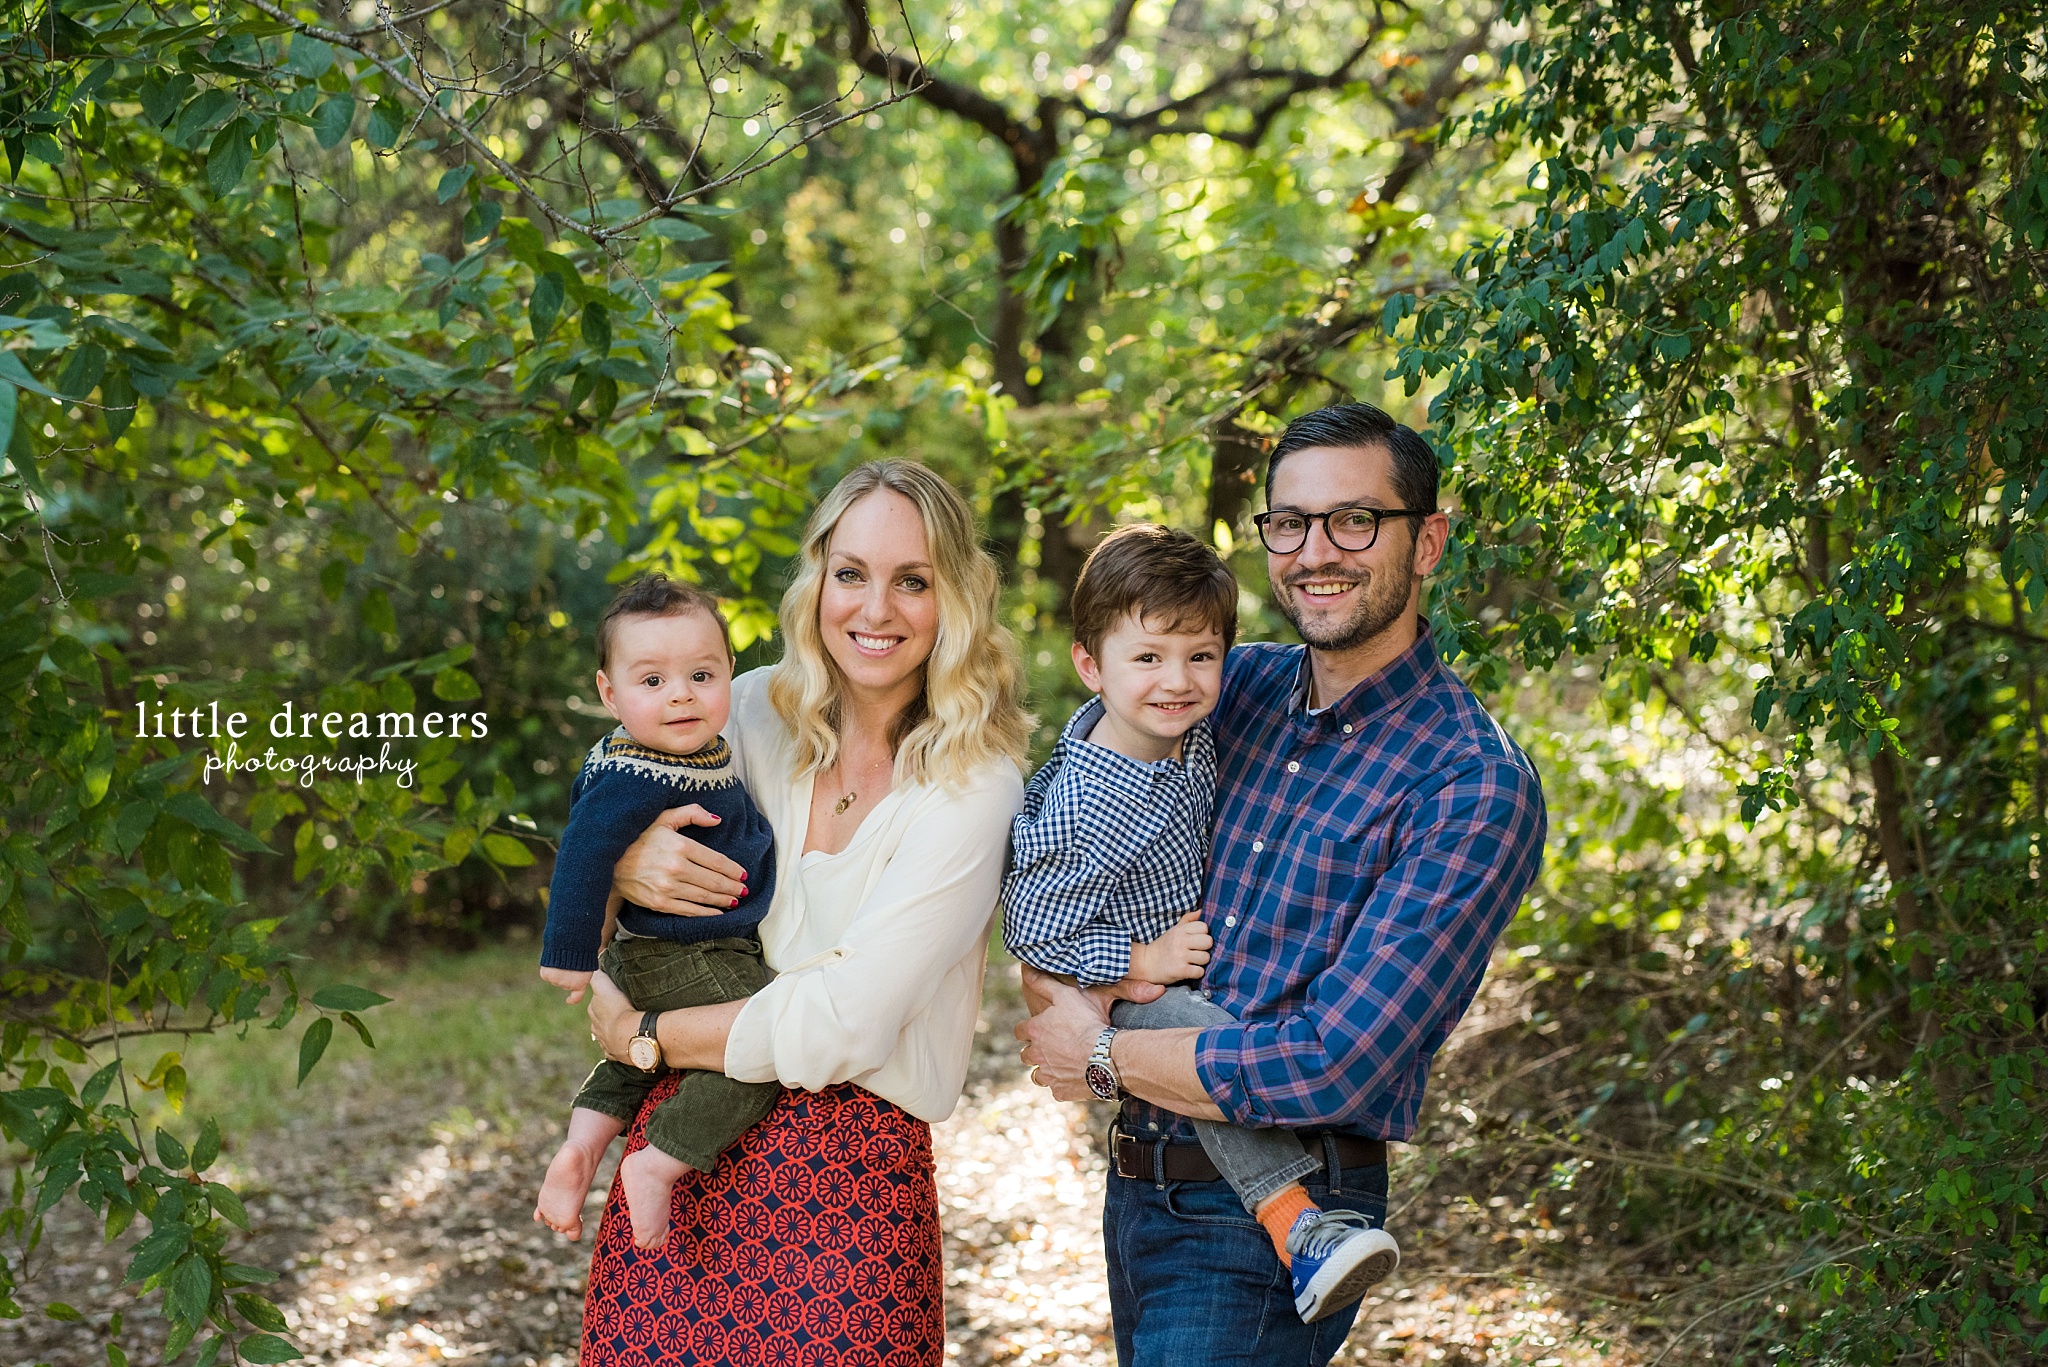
1408 968
841 1015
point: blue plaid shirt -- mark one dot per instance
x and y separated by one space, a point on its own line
1364 861
1107 850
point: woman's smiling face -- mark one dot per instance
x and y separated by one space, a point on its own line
879 607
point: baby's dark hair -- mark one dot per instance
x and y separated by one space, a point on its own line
1172 581
657 595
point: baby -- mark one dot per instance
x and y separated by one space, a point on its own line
665 671
1108 856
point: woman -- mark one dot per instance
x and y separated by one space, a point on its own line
886 750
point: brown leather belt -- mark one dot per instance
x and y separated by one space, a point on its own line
1149 1159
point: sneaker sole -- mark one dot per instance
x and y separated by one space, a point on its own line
1345 1285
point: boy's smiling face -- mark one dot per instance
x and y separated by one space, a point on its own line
670 680
1155 685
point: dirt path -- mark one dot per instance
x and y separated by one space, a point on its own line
405 1225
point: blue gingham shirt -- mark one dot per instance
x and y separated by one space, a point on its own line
1108 849
1365 859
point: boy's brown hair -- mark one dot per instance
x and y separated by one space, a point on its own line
657 595
1172 582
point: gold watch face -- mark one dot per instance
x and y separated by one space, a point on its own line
644 1052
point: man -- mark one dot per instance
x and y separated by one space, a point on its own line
1375 832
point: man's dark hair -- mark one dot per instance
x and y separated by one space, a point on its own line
1360 424
657 595
1171 580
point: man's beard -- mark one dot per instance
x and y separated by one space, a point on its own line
1382 601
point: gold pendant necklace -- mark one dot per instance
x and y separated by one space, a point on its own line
843 803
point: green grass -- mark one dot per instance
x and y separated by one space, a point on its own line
476 1033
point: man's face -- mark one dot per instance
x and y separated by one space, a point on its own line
1339 599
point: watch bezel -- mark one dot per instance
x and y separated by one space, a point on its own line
1100 1072
651 1053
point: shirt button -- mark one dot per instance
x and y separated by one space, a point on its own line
1258 847
1293 766
1230 920
1152 1125
1347 728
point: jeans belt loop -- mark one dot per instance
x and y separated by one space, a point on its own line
1331 1167
1159 1164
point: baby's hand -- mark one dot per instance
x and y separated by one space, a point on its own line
1182 952
573 982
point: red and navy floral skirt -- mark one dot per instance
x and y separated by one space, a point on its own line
815 1244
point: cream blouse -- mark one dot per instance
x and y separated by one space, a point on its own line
879 949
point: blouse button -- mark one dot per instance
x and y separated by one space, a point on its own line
1294 766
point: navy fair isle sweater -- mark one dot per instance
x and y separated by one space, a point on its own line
622 786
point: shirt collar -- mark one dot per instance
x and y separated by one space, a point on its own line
1073 743
1402 677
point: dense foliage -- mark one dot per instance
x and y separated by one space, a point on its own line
347 353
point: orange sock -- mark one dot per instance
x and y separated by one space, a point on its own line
1280 1212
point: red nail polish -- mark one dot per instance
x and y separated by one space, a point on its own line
734 902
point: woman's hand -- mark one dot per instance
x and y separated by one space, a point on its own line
665 870
613 1021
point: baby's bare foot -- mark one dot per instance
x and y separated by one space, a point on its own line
563 1190
649 1176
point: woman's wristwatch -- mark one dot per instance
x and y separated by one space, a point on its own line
1101 1072
644 1051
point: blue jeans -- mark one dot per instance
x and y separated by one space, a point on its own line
1193 1281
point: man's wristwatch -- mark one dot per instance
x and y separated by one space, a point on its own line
1101 1072
645 1050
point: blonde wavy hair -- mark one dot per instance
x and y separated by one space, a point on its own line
969 712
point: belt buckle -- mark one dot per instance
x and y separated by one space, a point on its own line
1119 1144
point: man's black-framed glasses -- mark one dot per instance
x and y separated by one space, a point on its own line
1353 528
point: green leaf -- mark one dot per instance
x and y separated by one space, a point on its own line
597 327
196 811
355 1023
387 121
228 158
132 826
342 997
57 1310
313 1045
267 1348
228 1204
546 304
212 108
455 685
208 1146
10 400
377 613
117 393
82 369
260 1312
331 120
481 220
503 849
309 57
157 1252
678 230
171 1152
189 1290
452 182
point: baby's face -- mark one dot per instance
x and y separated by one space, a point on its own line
670 681
1156 683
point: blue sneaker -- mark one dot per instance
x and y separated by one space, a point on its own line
1337 1255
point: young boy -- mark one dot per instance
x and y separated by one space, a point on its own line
1108 857
665 671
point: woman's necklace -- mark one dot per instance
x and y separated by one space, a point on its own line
852 796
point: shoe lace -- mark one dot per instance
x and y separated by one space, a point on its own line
1332 1229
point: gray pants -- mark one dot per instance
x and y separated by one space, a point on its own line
1256 1163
